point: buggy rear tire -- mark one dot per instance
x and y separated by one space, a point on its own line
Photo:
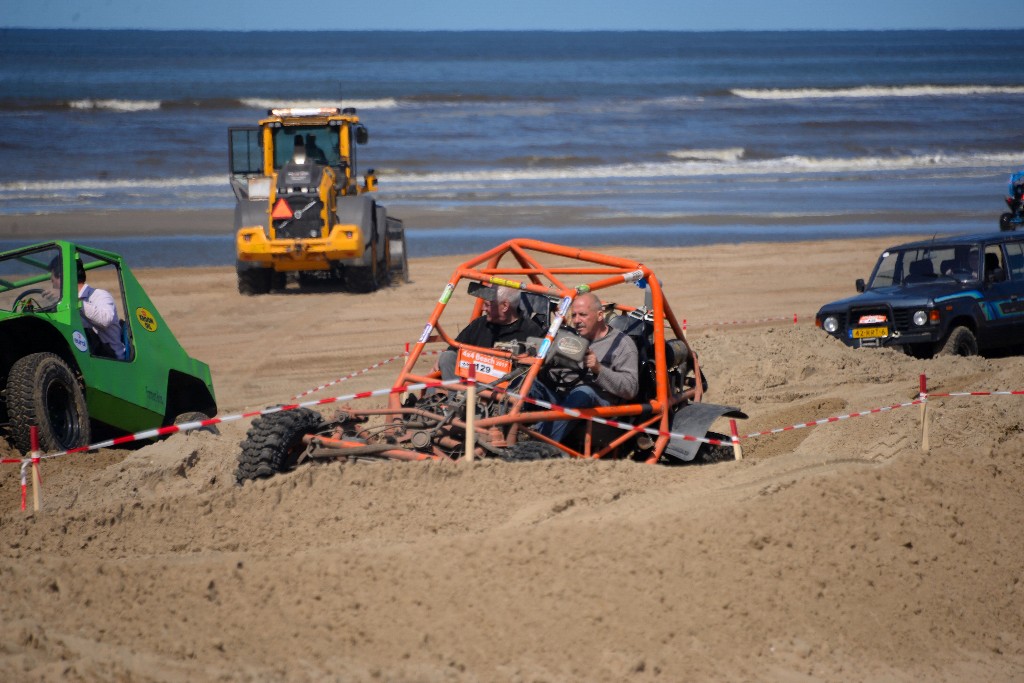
528 451
708 454
274 442
254 281
1006 222
961 342
43 392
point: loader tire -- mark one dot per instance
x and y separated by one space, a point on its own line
43 392
274 442
367 279
254 281
362 279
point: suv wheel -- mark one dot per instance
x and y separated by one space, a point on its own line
961 342
43 392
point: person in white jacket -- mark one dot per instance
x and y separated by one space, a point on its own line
99 315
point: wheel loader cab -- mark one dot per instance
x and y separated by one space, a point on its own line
298 169
307 144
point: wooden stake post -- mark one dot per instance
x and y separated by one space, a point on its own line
736 448
37 483
924 413
470 411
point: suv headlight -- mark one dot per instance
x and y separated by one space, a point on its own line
830 324
920 318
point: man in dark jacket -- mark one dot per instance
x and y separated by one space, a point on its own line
501 322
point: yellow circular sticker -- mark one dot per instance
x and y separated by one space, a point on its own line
146 318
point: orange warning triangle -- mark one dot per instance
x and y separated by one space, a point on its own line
281 210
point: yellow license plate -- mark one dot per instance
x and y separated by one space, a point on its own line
870 332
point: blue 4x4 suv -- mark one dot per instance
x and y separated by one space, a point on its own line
955 295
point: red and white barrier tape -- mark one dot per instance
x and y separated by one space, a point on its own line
198 424
362 372
348 376
836 418
959 394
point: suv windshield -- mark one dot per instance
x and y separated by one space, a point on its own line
926 264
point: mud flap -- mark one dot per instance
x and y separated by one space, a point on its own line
398 255
695 420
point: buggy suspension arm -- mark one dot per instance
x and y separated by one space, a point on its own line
359 448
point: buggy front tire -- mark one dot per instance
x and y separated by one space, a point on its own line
43 392
274 442
528 451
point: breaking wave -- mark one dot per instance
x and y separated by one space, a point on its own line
727 154
129 106
262 103
720 164
877 91
685 163
126 106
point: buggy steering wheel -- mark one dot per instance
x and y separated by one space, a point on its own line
27 304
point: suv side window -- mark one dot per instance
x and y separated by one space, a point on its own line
1015 261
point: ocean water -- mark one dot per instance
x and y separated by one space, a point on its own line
585 138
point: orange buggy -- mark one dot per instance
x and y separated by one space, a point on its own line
435 422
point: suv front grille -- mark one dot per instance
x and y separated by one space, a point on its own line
901 319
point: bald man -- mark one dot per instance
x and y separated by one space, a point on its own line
610 372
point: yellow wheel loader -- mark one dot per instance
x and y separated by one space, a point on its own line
300 209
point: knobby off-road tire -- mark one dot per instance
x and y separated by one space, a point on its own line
709 454
42 391
254 281
528 451
274 442
961 342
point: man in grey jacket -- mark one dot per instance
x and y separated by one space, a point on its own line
610 371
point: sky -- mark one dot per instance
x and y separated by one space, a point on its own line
558 15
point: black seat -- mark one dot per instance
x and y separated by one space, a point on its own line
921 269
536 307
993 273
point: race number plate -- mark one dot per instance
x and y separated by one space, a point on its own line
869 332
488 367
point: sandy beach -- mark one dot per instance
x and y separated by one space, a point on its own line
839 552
